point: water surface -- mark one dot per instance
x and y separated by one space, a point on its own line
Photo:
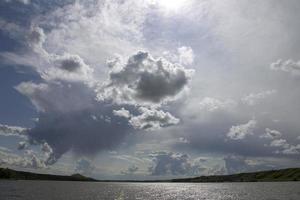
52 190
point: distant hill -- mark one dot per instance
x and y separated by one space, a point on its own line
292 174
6 173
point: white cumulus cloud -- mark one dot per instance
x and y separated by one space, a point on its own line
151 119
241 131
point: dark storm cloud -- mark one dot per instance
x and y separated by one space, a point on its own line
79 132
72 120
145 79
71 63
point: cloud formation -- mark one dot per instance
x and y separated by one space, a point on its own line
20 1
173 164
67 43
282 146
186 55
151 119
68 67
80 114
288 66
143 80
122 113
6 130
254 98
271 134
28 160
213 104
239 132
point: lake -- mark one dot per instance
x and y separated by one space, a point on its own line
53 190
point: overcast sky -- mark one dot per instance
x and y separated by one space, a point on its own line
149 89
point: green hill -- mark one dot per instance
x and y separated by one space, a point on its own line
6 173
292 174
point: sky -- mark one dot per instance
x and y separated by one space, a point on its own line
149 89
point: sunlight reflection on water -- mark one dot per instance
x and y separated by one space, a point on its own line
48 190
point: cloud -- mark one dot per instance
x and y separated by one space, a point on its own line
237 164
186 55
20 1
34 161
173 164
58 97
254 98
6 130
28 160
22 145
285 147
279 143
48 153
34 92
77 112
71 44
213 104
151 119
145 80
217 170
131 170
183 140
36 38
239 132
4 149
292 150
183 55
282 145
68 67
67 112
84 166
13 30
68 107
288 66
79 132
271 134
122 113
